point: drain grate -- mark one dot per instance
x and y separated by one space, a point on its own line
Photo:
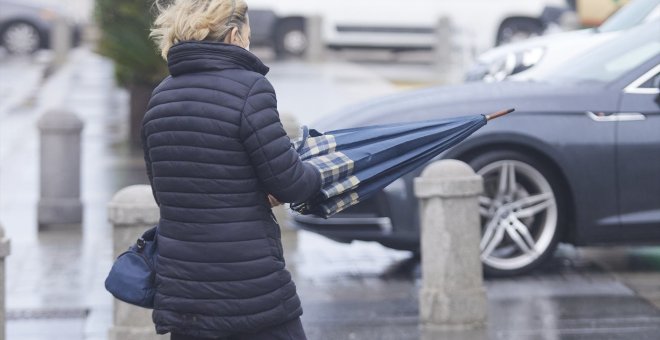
47 313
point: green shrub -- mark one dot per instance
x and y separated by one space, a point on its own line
124 37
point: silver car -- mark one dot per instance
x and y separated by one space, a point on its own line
540 54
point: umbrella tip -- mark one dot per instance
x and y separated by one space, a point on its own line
499 114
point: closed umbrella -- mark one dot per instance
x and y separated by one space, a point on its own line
357 163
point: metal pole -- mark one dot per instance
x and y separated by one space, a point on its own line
442 51
315 45
60 41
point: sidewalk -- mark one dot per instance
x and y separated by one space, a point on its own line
357 291
55 279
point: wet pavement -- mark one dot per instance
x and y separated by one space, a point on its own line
370 292
349 291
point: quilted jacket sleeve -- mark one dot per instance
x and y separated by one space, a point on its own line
277 164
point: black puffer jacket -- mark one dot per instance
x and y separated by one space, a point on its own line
214 148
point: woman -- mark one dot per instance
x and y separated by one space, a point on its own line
215 149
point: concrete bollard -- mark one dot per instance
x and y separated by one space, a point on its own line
442 51
291 125
292 128
4 252
60 41
452 296
315 51
131 211
59 202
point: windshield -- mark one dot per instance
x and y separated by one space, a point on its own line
611 60
631 15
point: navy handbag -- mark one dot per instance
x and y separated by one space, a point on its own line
132 276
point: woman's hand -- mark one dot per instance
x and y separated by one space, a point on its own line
273 201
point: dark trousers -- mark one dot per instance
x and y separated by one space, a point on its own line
291 330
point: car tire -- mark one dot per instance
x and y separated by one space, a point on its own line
21 38
527 217
291 38
513 30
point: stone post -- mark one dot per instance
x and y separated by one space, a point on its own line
315 51
4 252
60 41
452 296
131 212
291 125
59 202
442 51
292 128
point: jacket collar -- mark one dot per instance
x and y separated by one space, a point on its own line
197 56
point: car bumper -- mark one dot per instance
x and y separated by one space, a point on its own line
346 229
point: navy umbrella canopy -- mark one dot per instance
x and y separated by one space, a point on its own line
357 163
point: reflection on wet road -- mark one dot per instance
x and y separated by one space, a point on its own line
365 291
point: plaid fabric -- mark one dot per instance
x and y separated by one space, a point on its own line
332 167
315 146
340 203
337 188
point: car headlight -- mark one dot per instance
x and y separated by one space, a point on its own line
512 63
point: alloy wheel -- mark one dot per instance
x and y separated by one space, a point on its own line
519 215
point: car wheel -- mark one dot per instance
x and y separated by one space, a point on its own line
291 38
522 213
21 38
518 29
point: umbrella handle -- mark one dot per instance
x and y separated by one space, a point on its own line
499 114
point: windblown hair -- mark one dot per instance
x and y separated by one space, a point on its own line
181 20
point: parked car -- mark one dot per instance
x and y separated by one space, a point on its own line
578 162
548 51
25 25
395 24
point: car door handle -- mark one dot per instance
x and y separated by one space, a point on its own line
616 117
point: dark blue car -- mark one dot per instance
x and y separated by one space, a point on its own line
578 162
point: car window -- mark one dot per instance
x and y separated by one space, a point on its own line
631 15
652 83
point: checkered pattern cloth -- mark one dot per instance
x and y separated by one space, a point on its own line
339 187
333 167
309 147
340 203
338 182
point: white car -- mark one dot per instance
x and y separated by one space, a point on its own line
526 58
397 24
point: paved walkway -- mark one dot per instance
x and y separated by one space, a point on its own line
357 291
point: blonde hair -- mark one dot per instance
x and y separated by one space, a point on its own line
181 20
